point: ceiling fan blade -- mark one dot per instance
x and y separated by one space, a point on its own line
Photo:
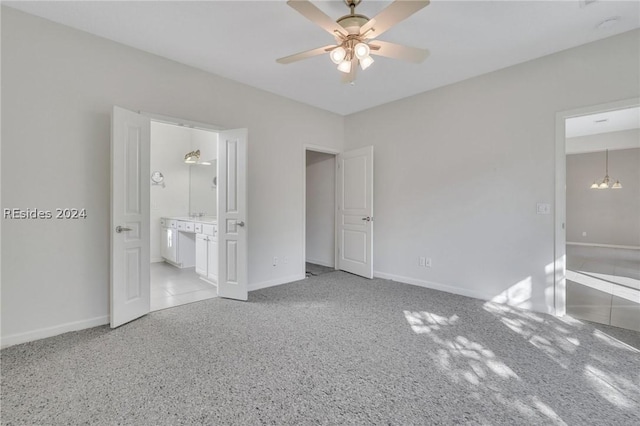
398 51
350 77
306 54
397 11
318 17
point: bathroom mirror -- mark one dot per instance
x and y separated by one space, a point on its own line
202 190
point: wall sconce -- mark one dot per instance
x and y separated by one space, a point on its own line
157 178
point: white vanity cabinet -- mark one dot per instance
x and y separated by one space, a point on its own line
169 245
202 247
207 253
212 260
177 245
188 243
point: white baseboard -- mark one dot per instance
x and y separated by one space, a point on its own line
157 259
432 285
275 282
30 336
320 262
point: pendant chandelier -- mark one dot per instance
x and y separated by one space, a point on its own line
605 182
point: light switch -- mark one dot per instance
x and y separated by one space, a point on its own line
543 208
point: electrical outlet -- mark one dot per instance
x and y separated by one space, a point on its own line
275 261
422 261
428 262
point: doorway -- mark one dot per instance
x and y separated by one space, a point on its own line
183 211
130 242
320 212
338 210
598 213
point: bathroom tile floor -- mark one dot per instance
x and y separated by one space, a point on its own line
171 286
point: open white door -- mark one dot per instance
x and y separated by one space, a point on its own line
232 214
130 257
355 211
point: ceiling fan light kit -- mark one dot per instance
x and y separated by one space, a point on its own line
354 35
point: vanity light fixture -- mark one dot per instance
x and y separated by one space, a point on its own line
193 157
605 182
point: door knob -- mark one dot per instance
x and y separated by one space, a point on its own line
120 229
240 223
368 218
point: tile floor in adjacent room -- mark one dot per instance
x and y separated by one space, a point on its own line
171 286
603 285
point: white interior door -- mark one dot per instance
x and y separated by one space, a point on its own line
232 214
130 188
355 211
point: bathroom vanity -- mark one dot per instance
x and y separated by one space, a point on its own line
191 241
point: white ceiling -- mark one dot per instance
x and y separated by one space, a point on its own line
612 130
603 122
241 40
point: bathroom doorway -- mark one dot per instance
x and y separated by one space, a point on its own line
183 211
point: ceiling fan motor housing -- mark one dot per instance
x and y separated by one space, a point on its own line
352 23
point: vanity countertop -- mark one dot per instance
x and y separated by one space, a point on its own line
202 219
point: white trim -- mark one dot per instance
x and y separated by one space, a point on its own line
570 243
559 254
320 262
42 333
275 282
181 122
433 286
157 259
335 153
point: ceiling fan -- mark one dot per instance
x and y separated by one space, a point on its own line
355 35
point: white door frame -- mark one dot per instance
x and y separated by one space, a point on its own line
178 122
324 150
560 239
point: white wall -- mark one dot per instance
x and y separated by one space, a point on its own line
459 171
320 224
623 139
58 89
169 144
607 216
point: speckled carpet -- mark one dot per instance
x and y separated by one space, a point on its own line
332 349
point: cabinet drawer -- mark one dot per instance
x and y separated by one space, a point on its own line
182 226
208 229
197 228
172 223
189 226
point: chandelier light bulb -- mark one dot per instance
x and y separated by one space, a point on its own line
361 50
337 55
345 66
605 182
366 62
